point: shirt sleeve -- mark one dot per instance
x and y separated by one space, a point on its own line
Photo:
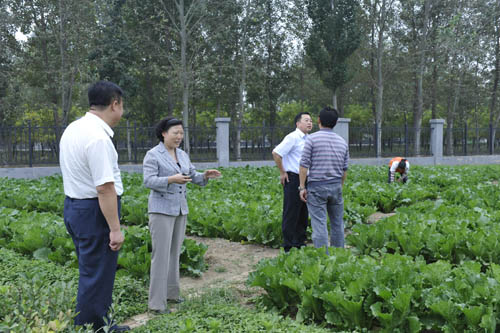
305 160
101 156
392 170
285 146
346 160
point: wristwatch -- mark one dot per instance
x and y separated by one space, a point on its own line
301 188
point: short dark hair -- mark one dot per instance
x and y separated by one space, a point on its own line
299 116
102 93
328 117
402 164
164 124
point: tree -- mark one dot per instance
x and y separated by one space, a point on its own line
335 35
185 16
10 48
59 39
493 32
380 13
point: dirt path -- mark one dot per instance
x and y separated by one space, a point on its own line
228 265
378 216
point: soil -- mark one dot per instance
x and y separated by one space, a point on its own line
378 216
229 264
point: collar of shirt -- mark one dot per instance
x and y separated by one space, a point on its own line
92 117
326 129
300 133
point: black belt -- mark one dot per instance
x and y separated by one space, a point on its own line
293 173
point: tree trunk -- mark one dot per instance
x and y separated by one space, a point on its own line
417 118
151 105
170 98
184 74
243 82
372 65
334 100
496 75
449 135
434 90
380 80
451 115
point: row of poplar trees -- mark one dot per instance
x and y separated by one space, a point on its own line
379 62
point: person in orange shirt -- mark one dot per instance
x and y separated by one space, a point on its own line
399 165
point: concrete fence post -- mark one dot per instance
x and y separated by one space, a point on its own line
437 126
222 126
342 128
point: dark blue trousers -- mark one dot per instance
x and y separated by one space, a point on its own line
295 215
96 262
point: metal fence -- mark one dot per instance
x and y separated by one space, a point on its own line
30 145
256 143
396 141
470 141
133 142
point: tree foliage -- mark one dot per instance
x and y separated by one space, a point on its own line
253 60
335 35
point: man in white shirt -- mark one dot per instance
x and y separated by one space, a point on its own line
287 156
93 186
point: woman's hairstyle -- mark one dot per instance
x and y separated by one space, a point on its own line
164 124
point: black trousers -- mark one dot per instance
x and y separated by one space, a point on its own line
295 217
97 263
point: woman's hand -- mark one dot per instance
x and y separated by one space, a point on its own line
211 173
179 179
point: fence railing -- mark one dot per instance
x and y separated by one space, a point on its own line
396 141
31 145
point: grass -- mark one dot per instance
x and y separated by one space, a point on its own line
219 310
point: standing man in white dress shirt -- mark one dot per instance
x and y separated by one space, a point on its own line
287 157
93 186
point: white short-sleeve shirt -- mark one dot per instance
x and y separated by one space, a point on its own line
290 150
88 158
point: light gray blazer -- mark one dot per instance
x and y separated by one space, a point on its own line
165 198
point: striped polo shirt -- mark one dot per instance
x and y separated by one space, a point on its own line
326 155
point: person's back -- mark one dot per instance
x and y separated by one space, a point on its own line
329 156
93 186
326 158
398 165
76 144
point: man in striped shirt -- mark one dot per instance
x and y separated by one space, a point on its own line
326 157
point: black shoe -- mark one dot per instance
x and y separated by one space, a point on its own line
176 300
117 328
159 312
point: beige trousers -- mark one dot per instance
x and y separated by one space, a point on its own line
167 234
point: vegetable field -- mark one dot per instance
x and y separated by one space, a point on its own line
433 266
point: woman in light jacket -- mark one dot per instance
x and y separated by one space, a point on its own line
167 169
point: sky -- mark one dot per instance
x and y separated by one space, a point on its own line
20 36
